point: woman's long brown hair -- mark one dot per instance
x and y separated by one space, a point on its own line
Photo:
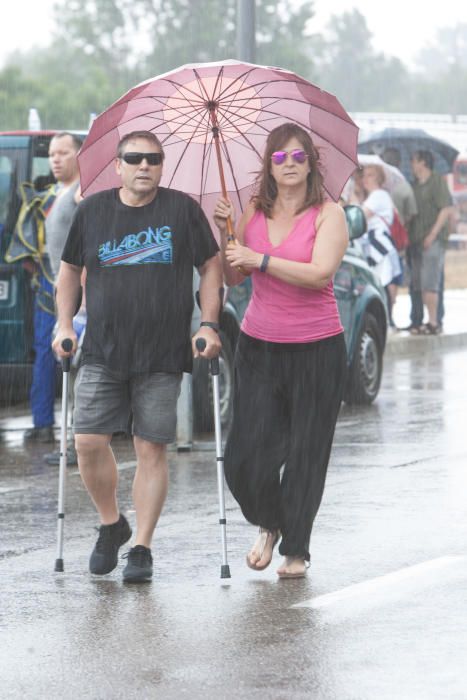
266 189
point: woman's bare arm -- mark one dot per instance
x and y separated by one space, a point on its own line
330 245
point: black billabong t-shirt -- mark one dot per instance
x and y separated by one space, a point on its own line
139 285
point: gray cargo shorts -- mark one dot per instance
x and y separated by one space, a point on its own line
432 267
105 400
426 267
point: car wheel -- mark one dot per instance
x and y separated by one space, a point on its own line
367 365
203 410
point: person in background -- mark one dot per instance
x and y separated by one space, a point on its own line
63 150
290 363
402 193
381 253
404 200
428 234
139 244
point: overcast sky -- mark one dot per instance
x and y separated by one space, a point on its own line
399 27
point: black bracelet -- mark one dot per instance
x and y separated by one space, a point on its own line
264 264
210 324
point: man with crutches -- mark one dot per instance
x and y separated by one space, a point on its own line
139 245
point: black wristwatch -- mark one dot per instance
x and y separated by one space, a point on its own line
210 324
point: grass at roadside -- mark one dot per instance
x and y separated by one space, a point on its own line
456 268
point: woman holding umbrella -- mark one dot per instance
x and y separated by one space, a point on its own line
380 249
291 357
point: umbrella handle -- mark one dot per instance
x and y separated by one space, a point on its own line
230 229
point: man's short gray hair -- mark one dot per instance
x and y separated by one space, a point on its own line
148 135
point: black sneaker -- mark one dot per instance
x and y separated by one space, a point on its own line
39 434
139 566
104 557
54 457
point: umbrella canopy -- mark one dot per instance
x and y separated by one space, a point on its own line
392 175
213 120
407 141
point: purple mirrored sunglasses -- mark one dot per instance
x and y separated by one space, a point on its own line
298 155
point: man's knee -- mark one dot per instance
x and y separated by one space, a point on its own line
150 452
89 446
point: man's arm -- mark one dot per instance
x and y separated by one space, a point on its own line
210 302
443 217
67 298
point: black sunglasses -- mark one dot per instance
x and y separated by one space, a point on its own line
137 158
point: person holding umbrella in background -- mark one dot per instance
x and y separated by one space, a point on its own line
381 251
290 363
139 244
428 234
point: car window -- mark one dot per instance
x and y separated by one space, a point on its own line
6 175
41 174
40 167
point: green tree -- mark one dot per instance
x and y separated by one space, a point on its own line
17 95
159 35
448 49
104 47
362 78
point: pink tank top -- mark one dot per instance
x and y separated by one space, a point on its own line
281 312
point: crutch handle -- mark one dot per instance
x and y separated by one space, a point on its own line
67 346
214 361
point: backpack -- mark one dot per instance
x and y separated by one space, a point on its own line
399 234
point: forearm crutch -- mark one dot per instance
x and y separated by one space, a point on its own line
67 345
214 370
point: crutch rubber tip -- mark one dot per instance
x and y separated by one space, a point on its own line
58 565
225 571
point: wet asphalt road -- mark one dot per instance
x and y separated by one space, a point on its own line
382 613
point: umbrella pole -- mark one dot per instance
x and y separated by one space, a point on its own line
215 133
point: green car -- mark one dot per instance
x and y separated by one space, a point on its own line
361 299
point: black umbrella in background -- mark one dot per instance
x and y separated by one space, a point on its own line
407 141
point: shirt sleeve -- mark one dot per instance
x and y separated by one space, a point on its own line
202 241
380 203
73 250
442 196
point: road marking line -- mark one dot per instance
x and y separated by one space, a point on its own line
380 582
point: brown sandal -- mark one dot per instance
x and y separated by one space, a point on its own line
429 329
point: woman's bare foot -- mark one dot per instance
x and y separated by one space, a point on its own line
260 555
292 567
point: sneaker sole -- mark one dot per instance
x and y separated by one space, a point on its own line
137 579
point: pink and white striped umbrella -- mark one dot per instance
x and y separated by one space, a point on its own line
240 103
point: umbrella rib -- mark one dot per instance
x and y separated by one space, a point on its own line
232 172
203 87
187 144
199 112
258 87
243 135
239 78
315 131
204 172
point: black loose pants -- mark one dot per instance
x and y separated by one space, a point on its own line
286 401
